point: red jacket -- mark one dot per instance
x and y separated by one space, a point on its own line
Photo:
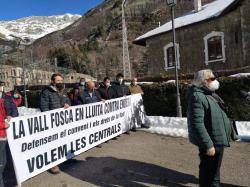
7 108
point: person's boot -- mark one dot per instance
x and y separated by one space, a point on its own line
55 170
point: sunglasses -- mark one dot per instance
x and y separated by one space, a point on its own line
211 79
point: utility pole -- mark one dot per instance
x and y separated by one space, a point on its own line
21 46
172 4
55 64
125 54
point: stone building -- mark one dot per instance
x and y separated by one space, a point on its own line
35 77
215 36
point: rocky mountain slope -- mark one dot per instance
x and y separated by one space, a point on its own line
34 27
93 44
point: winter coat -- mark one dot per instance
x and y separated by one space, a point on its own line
7 108
208 124
120 89
91 98
106 92
17 101
50 99
135 89
76 96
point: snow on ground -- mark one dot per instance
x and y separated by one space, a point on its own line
171 126
27 111
238 75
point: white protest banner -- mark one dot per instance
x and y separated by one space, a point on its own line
46 139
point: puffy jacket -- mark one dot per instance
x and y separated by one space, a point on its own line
7 108
208 124
91 98
120 89
106 92
50 99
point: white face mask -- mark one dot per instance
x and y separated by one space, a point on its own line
1 88
120 81
214 85
107 84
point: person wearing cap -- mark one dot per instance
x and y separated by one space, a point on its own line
8 110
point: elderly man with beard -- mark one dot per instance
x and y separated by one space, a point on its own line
209 127
51 98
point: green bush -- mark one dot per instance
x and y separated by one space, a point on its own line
160 99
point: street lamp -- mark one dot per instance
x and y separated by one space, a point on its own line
172 4
22 48
22 43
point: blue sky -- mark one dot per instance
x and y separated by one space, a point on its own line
14 9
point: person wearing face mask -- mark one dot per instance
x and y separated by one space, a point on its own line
17 98
91 95
134 88
52 98
8 110
82 84
106 90
120 88
209 127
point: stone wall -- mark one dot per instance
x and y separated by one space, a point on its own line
245 25
14 75
191 44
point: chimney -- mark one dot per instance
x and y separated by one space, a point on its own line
197 5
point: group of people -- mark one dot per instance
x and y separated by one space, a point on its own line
209 126
85 92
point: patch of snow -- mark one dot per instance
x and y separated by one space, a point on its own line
174 126
171 126
208 11
238 75
35 27
23 111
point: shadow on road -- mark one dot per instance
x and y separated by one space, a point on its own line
110 171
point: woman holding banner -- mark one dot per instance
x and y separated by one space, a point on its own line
8 109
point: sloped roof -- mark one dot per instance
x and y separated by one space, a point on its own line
211 10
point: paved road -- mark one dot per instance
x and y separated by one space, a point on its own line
143 159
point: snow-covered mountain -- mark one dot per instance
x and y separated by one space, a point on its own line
34 27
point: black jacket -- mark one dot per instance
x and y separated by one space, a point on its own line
50 99
120 89
106 92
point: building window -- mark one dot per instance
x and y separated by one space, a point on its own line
169 57
214 47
